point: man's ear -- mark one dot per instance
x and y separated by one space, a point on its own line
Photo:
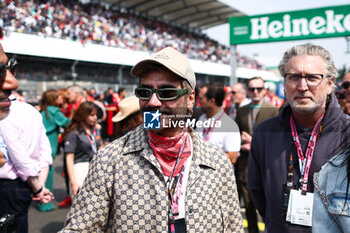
191 99
330 85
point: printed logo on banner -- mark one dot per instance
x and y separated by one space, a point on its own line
151 120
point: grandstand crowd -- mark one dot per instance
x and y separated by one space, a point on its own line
110 25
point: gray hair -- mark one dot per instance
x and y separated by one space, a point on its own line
308 49
77 88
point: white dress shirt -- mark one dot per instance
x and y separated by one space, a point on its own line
28 147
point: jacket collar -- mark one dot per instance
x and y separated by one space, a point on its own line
137 141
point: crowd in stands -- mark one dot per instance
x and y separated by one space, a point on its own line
110 25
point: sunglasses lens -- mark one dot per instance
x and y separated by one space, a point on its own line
345 85
167 94
13 66
143 93
252 89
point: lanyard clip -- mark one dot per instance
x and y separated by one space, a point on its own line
302 181
171 219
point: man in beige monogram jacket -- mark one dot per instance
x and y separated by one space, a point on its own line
162 176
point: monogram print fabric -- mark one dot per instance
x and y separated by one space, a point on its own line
125 191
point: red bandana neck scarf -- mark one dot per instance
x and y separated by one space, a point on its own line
167 149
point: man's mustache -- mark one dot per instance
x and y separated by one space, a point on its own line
165 111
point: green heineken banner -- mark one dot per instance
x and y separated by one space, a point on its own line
295 25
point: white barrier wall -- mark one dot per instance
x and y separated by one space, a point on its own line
25 44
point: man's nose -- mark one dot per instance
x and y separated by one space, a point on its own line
154 101
302 85
10 82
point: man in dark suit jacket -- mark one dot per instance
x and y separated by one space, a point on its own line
248 117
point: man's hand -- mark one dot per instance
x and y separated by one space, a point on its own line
75 188
2 159
45 196
246 141
232 156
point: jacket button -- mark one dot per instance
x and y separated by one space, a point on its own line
191 210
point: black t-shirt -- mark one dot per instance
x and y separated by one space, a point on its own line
79 143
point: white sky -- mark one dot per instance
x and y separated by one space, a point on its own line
271 53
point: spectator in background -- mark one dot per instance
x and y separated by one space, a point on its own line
111 97
288 149
346 86
129 115
53 119
63 102
75 95
346 92
112 26
226 136
271 96
248 118
28 148
238 98
91 94
81 142
121 93
19 95
197 111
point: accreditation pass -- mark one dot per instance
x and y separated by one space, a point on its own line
300 208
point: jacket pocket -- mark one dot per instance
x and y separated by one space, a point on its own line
337 203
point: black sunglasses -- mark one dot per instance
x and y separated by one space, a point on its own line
11 65
252 89
162 93
345 85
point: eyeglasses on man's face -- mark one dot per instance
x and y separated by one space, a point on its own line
11 65
252 89
312 80
144 93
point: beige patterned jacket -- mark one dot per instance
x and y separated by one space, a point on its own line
125 191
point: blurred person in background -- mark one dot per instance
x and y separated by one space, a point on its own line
22 177
81 142
53 120
63 101
227 136
248 118
121 93
271 96
238 98
19 95
75 95
346 92
129 115
91 94
66 109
